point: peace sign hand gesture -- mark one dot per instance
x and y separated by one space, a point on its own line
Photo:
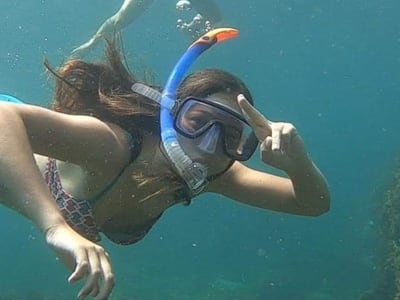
281 146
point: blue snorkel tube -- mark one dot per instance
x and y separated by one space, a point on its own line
193 173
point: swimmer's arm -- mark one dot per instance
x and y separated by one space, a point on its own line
23 189
208 9
304 192
21 184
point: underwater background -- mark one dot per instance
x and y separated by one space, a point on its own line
331 68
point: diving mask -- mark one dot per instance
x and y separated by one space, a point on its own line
209 120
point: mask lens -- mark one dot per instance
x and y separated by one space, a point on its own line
194 118
240 145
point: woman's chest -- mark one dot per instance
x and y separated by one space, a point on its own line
136 197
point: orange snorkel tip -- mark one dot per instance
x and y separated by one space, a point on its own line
226 34
216 35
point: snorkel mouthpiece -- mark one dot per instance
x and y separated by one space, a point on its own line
193 173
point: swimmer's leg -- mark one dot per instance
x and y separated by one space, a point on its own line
127 14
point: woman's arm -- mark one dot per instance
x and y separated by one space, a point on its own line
304 192
79 139
21 182
26 129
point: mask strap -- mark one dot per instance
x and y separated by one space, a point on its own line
147 91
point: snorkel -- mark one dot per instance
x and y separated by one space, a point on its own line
193 173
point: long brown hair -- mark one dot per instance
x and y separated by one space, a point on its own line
103 90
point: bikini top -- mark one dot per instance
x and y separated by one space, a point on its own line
78 212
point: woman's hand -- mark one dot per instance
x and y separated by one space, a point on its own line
89 261
281 146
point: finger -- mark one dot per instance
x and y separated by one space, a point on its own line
95 290
288 131
108 278
81 269
265 148
285 141
276 139
92 281
256 120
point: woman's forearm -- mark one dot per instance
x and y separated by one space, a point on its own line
22 185
310 188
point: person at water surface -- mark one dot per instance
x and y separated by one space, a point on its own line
208 15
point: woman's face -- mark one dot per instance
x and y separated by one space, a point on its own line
207 148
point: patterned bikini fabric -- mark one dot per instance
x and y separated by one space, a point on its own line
77 212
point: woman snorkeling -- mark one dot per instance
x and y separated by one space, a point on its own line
114 153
